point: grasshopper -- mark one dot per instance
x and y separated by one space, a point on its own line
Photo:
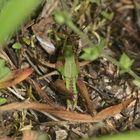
69 70
68 67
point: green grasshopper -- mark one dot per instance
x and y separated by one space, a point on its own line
68 66
69 70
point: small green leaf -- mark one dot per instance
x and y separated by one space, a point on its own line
59 17
3 101
62 16
27 40
16 45
137 83
107 15
93 53
4 71
125 62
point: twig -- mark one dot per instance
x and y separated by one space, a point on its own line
16 94
48 75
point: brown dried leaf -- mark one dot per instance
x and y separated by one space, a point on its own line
40 30
15 77
67 115
60 87
108 112
83 90
112 110
25 105
61 113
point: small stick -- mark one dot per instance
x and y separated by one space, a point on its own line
48 75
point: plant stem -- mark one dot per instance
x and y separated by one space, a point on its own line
131 72
114 61
83 36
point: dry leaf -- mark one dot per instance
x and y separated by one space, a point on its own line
67 115
40 30
112 110
15 77
83 90
25 105
60 87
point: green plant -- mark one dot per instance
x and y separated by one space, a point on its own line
13 14
4 71
16 45
93 53
3 101
125 63
107 15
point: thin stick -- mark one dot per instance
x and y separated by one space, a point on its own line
48 75
16 94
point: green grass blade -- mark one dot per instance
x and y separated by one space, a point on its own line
13 14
